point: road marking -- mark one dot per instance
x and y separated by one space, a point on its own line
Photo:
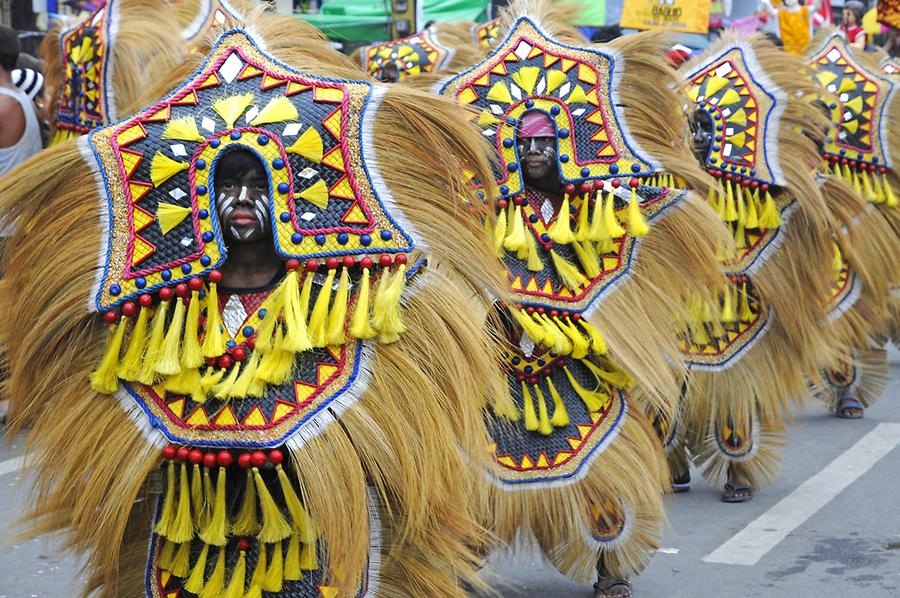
752 543
11 465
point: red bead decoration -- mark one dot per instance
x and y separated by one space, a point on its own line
165 293
349 261
576 317
366 262
215 276
110 317
129 309
243 544
532 380
385 261
196 456
520 377
196 284
182 454
401 259
586 187
181 289
598 185
764 186
224 458
616 183
209 460
239 353
258 458
251 343
145 300
502 203
554 313
225 362
276 457
312 265
569 189
244 461
169 452
634 183
332 263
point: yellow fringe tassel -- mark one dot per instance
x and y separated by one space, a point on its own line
570 275
746 314
181 564
583 228
619 379
246 523
598 232
130 365
770 217
182 528
598 343
587 255
224 388
274 525
730 211
296 337
198 503
561 229
309 559
555 338
154 345
890 199
216 582
216 532
534 264
214 341
104 378
728 314
544 425
191 352
169 361
337 318
167 514
274 580
590 398
560 417
292 561
499 233
360 326
167 555
611 224
386 317
636 220
533 329
235 587
752 213
515 239
194 583
580 345
259 571
868 190
531 422
302 524
246 384
319 316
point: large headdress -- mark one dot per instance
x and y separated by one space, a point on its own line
859 99
408 56
487 34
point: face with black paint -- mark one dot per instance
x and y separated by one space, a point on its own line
701 133
538 157
241 188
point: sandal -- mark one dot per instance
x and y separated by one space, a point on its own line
610 587
737 493
849 408
682 483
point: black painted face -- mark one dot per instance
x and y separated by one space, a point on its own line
241 188
702 134
538 157
390 73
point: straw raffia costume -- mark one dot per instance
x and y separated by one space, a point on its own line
301 439
576 462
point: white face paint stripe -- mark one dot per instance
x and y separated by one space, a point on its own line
243 194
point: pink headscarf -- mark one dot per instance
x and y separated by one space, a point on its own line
536 124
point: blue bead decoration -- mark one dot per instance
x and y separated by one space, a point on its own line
614 169
715 148
208 237
248 331
511 121
508 143
201 164
529 103
262 313
874 159
718 138
541 362
230 344
166 275
342 238
235 135
563 133
717 116
186 268
203 214
320 239
563 158
533 218
277 163
528 369
554 110
480 194
296 238
215 143
284 217
743 169
205 260
585 171
512 167
115 289
365 240
201 189
140 282
516 361
262 139
635 168
504 189
386 235
713 159
545 238
283 188
753 172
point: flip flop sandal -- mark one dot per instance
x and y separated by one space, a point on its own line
604 586
682 483
849 403
737 493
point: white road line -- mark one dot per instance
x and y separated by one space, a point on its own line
752 543
11 465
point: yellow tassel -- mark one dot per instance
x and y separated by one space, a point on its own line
216 532
319 316
292 561
837 260
182 528
309 145
711 198
163 168
214 341
740 238
561 229
277 366
302 524
216 582
590 399
191 353
278 109
169 361
611 224
167 514
580 345
337 318
560 342
274 526
570 275
619 379
360 326
535 264
254 591
183 129
246 524
309 559
170 215
583 229
499 233
741 206
265 333
245 384
154 345
890 199
224 389
587 255
230 108
274 581
167 555
699 334
198 503
752 214
181 564
560 417
636 221
544 425
130 365
857 186
386 317
515 240
104 378
746 314
727 307
877 188
296 335
598 232
534 330
531 421
770 217
235 587
730 211
722 204
210 379
598 343
194 583
259 571
868 191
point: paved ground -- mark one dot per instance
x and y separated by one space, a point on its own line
849 547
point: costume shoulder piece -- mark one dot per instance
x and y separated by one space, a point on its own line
87 100
859 101
208 15
487 34
890 65
407 56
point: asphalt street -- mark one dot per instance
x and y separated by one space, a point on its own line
829 527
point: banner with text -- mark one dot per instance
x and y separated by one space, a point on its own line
685 16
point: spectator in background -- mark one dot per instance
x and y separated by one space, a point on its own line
851 23
31 82
20 133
